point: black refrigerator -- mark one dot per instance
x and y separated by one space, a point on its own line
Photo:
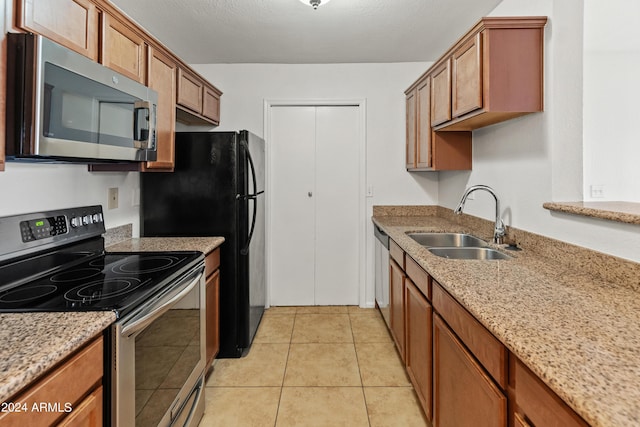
217 189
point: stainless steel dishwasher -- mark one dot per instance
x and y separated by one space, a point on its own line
382 272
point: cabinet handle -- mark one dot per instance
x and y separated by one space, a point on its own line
310 194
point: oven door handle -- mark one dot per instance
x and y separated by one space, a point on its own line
143 322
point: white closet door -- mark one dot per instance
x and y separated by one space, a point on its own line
314 205
336 194
292 210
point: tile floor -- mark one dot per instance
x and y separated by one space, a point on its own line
314 366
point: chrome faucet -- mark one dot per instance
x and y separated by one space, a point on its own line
498 231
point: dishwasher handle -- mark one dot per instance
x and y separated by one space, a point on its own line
381 236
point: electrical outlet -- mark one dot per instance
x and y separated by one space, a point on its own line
113 198
597 191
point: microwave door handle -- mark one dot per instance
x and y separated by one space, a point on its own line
144 321
143 142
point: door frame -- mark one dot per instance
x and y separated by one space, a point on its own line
362 174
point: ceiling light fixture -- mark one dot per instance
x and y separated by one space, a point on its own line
315 3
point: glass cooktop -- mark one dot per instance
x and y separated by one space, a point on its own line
111 281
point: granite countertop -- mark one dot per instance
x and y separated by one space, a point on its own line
153 244
32 343
578 332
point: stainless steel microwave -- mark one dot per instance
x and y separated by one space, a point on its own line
63 106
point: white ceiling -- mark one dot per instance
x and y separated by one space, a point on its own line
287 31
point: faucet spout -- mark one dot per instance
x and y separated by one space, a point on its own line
499 230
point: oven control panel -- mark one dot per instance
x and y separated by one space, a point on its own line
40 228
28 233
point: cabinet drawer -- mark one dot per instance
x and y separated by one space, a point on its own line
490 352
419 277
69 382
212 262
396 253
539 404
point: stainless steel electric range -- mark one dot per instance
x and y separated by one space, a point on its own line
55 261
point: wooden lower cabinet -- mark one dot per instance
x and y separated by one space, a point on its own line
73 388
212 297
464 394
396 296
86 414
536 405
418 346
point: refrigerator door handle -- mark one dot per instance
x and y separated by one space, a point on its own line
252 197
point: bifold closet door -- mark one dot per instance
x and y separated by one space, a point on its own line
314 201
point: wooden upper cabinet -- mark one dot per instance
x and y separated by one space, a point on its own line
428 150
190 91
466 77
493 73
123 49
198 102
423 124
162 79
211 104
497 73
71 23
411 124
441 93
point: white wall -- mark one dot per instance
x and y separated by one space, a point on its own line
35 187
246 86
538 158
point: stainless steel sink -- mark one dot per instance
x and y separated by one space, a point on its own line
431 240
469 253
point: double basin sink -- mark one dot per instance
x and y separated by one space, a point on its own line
457 246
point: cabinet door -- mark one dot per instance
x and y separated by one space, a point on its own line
423 124
213 316
466 79
411 130
71 23
88 413
464 395
397 284
162 79
190 89
123 50
211 104
441 94
419 344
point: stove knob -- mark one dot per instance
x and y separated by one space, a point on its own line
75 222
95 217
86 220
